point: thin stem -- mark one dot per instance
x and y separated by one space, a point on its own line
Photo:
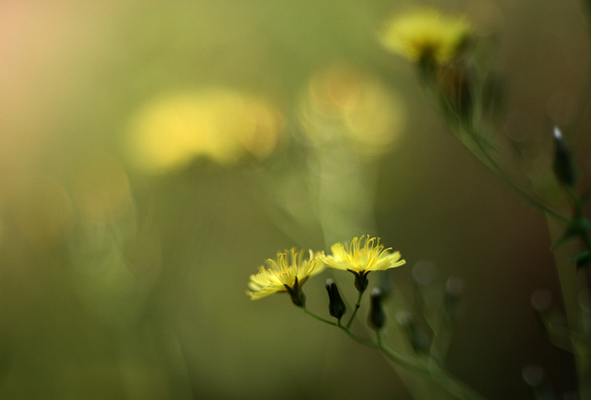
440 343
310 313
496 168
357 305
357 338
492 164
338 325
433 372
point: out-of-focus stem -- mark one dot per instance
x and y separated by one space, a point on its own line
433 372
570 286
492 164
430 370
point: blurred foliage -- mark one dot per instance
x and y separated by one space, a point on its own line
153 154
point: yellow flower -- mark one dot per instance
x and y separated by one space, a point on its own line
286 274
361 256
426 34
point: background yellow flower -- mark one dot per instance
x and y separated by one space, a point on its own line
425 33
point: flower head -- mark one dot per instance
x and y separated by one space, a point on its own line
425 34
286 274
361 256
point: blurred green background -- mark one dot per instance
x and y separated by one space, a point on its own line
154 154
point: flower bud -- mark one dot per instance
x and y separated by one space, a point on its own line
533 375
336 306
563 163
416 335
453 292
377 318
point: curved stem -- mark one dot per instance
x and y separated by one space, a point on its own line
357 305
357 338
496 168
310 313
433 372
338 325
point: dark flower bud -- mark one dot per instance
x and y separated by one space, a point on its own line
563 163
336 306
453 292
541 300
377 318
416 335
552 321
533 375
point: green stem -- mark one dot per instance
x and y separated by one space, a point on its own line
571 287
357 305
433 372
310 313
440 343
492 164
345 329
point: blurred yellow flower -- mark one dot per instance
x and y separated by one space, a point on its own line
220 124
426 34
361 256
286 274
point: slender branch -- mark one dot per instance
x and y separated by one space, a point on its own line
310 313
433 372
338 325
496 168
440 343
357 305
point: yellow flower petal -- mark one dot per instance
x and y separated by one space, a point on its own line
289 268
363 254
425 32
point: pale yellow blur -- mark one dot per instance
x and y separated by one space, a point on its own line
220 124
425 32
342 104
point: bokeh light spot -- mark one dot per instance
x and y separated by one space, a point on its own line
344 105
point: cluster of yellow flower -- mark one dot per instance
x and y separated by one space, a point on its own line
290 270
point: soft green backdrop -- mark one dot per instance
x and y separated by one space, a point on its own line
115 283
